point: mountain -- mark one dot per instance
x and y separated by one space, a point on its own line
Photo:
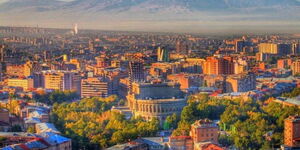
97 12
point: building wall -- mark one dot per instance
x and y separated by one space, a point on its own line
268 48
4 115
15 70
160 109
292 131
156 100
240 83
23 83
95 87
295 67
204 131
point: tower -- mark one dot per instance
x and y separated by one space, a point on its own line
162 55
91 46
2 53
181 47
75 29
136 72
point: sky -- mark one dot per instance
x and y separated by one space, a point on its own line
285 20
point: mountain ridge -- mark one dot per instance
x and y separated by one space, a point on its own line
159 14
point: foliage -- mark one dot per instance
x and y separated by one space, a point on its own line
171 121
31 130
56 97
15 128
247 124
292 94
91 125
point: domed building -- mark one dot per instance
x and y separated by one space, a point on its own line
156 99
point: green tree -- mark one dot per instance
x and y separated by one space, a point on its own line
31 130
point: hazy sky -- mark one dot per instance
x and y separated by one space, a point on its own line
138 18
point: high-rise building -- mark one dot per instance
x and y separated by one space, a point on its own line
182 47
296 49
292 132
102 62
31 67
241 83
278 49
1 71
295 67
162 55
284 63
136 71
217 66
239 45
96 87
269 48
91 46
61 80
2 53
204 131
26 84
15 70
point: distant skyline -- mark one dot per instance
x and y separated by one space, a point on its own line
203 16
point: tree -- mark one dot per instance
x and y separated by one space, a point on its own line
16 128
172 121
30 129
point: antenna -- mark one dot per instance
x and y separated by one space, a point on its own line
75 28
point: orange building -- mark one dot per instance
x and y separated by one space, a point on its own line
284 63
296 67
15 70
181 142
204 131
262 66
102 61
292 132
217 66
186 80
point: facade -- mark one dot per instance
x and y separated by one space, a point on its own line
23 83
4 115
136 71
1 70
102 62
186 80
240 83
272 48
156 100
182 47
95 87
15 70
284 63
181 143
218 66
292 132
162 55
295 67
296 48
61 80
204 131
239 45
268 48
31 67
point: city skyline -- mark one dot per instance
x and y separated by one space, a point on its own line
218 16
